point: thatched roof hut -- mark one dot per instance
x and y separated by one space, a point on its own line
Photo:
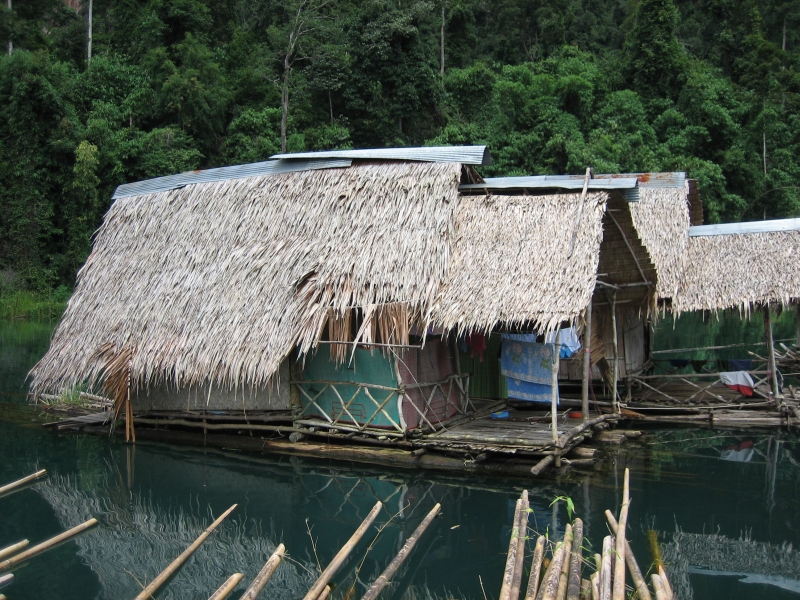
741 265
215 278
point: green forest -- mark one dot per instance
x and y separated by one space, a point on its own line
144 88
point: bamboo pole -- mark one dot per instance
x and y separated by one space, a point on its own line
325 593
633 566
9 550
522 537
39 548
6 579
561 591
511 556
20 482
342 555
549 587
587 363
554 392
665 582
264 574
576 562
658 586
615 371
542 465
771 351
383 580
595 579
619 564
605 569
536 569
176 564
227 587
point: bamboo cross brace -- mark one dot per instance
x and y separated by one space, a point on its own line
176 564
421 414
381 408
313 401
346 406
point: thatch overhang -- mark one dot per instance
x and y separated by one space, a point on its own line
741 265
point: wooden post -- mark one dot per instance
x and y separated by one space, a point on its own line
771 352
178 562
342 555
38 549
615 371
554 394
227 587
619 564
587 362
383 580
20 482
273 562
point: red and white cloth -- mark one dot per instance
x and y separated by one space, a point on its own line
739 381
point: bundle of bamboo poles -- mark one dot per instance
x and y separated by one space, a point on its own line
560 578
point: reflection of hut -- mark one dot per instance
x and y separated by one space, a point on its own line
712 554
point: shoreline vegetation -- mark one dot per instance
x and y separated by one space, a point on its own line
24 304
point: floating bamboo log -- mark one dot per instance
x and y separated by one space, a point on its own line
383 580
264 574
227 587
176 564
44 546
633 565
9 550
342 555
536 569
619 564
20 482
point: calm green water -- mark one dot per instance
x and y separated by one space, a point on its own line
737 518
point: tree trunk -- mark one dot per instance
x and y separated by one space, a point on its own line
441 44
89 45
11 44
285 103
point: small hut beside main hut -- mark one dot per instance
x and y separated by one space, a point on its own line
325 292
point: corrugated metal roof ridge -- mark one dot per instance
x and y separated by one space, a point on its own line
773 225
467 155
667 179
179 180
628 187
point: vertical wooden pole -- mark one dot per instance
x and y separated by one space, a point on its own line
771 351
554 394
615 371
89 45
587 362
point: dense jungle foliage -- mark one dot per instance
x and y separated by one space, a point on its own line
711 87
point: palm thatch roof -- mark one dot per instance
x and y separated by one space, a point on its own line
740 271
661 218
515 262
219 281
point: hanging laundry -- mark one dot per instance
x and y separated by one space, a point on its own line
722 365
739 381
529 391
742 452
568 340
698 365
520 337
527 362
679 363
477 345
740 364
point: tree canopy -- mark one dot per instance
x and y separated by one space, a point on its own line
710 87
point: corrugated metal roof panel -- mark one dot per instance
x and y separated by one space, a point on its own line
269 167
629 187
748 227
664 180
467 155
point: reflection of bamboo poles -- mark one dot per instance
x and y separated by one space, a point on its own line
44 546
176 564
342 555
227 587
20 482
